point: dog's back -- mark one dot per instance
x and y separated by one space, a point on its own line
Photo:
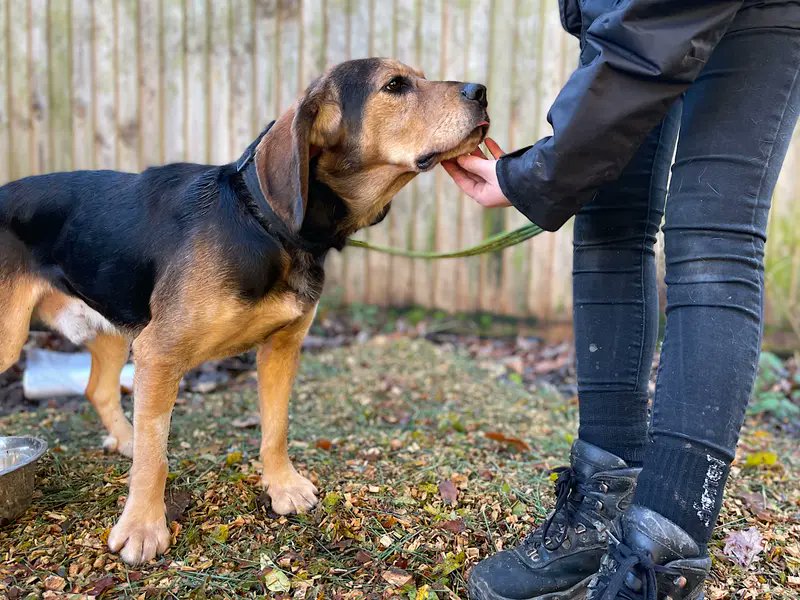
99 235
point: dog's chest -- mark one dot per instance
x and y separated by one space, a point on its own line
306 276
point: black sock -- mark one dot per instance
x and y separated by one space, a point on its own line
615 422
684 481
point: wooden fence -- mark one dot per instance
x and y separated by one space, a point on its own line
125 84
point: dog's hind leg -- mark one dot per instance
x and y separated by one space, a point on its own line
109 354
18 298
289 491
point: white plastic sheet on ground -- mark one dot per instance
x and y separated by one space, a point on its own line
49 374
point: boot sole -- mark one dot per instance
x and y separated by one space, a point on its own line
479 590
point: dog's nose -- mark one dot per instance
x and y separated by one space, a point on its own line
476 92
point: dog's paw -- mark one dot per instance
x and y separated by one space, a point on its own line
139 541
290 493
123 446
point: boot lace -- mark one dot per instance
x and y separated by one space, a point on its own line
570 493
611 583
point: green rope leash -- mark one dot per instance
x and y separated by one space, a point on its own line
499 241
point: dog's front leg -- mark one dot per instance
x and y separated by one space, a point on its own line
289 491
141 532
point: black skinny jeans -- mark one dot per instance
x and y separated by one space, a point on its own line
735 123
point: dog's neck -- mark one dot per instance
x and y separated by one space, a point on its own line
366 192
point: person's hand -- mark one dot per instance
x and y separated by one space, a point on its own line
476 175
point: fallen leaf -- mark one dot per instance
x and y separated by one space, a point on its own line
276 580
396 577
761 458
757 504
426 593
743 547
449 492
221 534
324 444
454 526
515 443
55 583
177 503
102 585
233 458
363 557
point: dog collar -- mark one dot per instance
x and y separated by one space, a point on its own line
260 209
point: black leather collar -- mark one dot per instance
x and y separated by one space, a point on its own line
324 212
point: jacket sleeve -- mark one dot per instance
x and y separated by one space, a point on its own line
647 53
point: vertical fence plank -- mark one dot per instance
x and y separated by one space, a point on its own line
289 83
5 98
38 76
127 91
522 120
265 14
196 77
103 84
82 125
242 93
171 74
59 62
219 83
150 149
315 39
20 109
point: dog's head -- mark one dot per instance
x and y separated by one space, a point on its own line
373 124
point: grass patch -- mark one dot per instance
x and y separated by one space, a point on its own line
379 427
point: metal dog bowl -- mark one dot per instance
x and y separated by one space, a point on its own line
18 456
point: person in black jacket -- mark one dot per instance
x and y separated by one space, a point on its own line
636 507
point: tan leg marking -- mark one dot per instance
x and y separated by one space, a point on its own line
289 491
109 354
18 297
141 532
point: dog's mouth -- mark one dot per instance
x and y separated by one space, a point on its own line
472 140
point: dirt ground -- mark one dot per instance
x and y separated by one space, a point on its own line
427 460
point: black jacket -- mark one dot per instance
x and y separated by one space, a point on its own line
637 57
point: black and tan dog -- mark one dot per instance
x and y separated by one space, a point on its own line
192 262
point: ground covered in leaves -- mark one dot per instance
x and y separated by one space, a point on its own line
427 460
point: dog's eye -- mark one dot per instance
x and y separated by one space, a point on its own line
396 85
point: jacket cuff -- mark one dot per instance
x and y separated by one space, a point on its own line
525 198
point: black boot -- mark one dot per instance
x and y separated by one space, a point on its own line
649 558
557 560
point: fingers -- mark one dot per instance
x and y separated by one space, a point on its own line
463 179
480 167
494 147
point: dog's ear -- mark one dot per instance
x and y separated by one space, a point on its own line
282 157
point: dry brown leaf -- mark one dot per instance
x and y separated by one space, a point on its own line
177 503
324 444
516 443
454 526
55 583
449 492
396 577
